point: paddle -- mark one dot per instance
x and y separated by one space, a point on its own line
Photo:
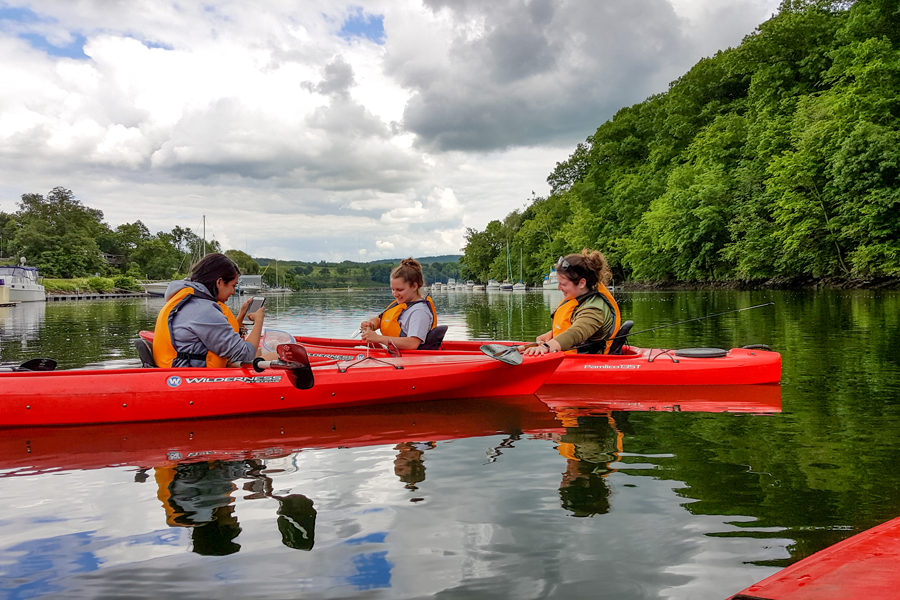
293 359
511 355
34 364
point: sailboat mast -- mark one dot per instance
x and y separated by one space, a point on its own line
204 235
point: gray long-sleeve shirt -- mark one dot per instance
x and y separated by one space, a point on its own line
200 325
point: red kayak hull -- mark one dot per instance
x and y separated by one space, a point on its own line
862 567
636 366
109 396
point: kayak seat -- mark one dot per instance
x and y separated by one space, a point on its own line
145 352
434 339
621 338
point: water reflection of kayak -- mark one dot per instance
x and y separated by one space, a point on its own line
635 366
863 566
124 395
26 451
586 400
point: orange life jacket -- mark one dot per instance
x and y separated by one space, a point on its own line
562 316
390 317
164 346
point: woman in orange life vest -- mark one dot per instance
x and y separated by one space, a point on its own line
406 321
588 317
196 329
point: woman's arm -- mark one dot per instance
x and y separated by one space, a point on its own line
256 333
371 324
402 343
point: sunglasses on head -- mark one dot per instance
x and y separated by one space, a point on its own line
563 265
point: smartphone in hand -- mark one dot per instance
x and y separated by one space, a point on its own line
256 303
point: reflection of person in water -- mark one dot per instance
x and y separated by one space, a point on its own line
199 496
589 445
409 465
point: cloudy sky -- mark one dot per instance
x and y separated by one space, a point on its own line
313 130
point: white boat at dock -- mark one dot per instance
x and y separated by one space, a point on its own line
155 288
24 283
550 281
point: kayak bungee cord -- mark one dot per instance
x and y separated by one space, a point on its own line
727 312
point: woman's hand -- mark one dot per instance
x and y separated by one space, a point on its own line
243 312
546 337
369 336
543 347
256 317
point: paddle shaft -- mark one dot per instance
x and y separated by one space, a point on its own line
727 312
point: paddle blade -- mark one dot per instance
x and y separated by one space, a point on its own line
508 354
38 364
300 372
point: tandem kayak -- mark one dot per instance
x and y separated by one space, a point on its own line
144 394
635 366
862 567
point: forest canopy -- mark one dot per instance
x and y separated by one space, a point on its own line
776 159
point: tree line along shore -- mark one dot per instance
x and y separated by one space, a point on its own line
76 252
772 164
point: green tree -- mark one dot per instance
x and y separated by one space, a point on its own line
245 263
58 234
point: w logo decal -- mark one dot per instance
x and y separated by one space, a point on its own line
174 381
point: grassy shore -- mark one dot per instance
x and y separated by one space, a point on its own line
81 285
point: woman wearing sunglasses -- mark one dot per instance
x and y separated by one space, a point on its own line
588 317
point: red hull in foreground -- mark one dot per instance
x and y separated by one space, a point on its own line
862 567
636 366
110 396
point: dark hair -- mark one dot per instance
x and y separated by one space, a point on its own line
213 267
589 265
409 271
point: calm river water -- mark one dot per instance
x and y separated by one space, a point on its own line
464 499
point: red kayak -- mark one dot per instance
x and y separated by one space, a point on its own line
108 396
635 366
862 567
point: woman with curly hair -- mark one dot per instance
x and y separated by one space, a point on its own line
588 317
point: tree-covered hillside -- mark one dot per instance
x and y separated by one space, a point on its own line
778 158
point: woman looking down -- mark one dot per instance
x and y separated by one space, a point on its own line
588 317
408 319
195 328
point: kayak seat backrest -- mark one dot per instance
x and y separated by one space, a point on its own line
434 339
621 338
145 352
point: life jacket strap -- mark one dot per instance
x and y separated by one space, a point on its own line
189 356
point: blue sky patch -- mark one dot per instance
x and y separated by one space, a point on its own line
362 25
20 15
73 50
